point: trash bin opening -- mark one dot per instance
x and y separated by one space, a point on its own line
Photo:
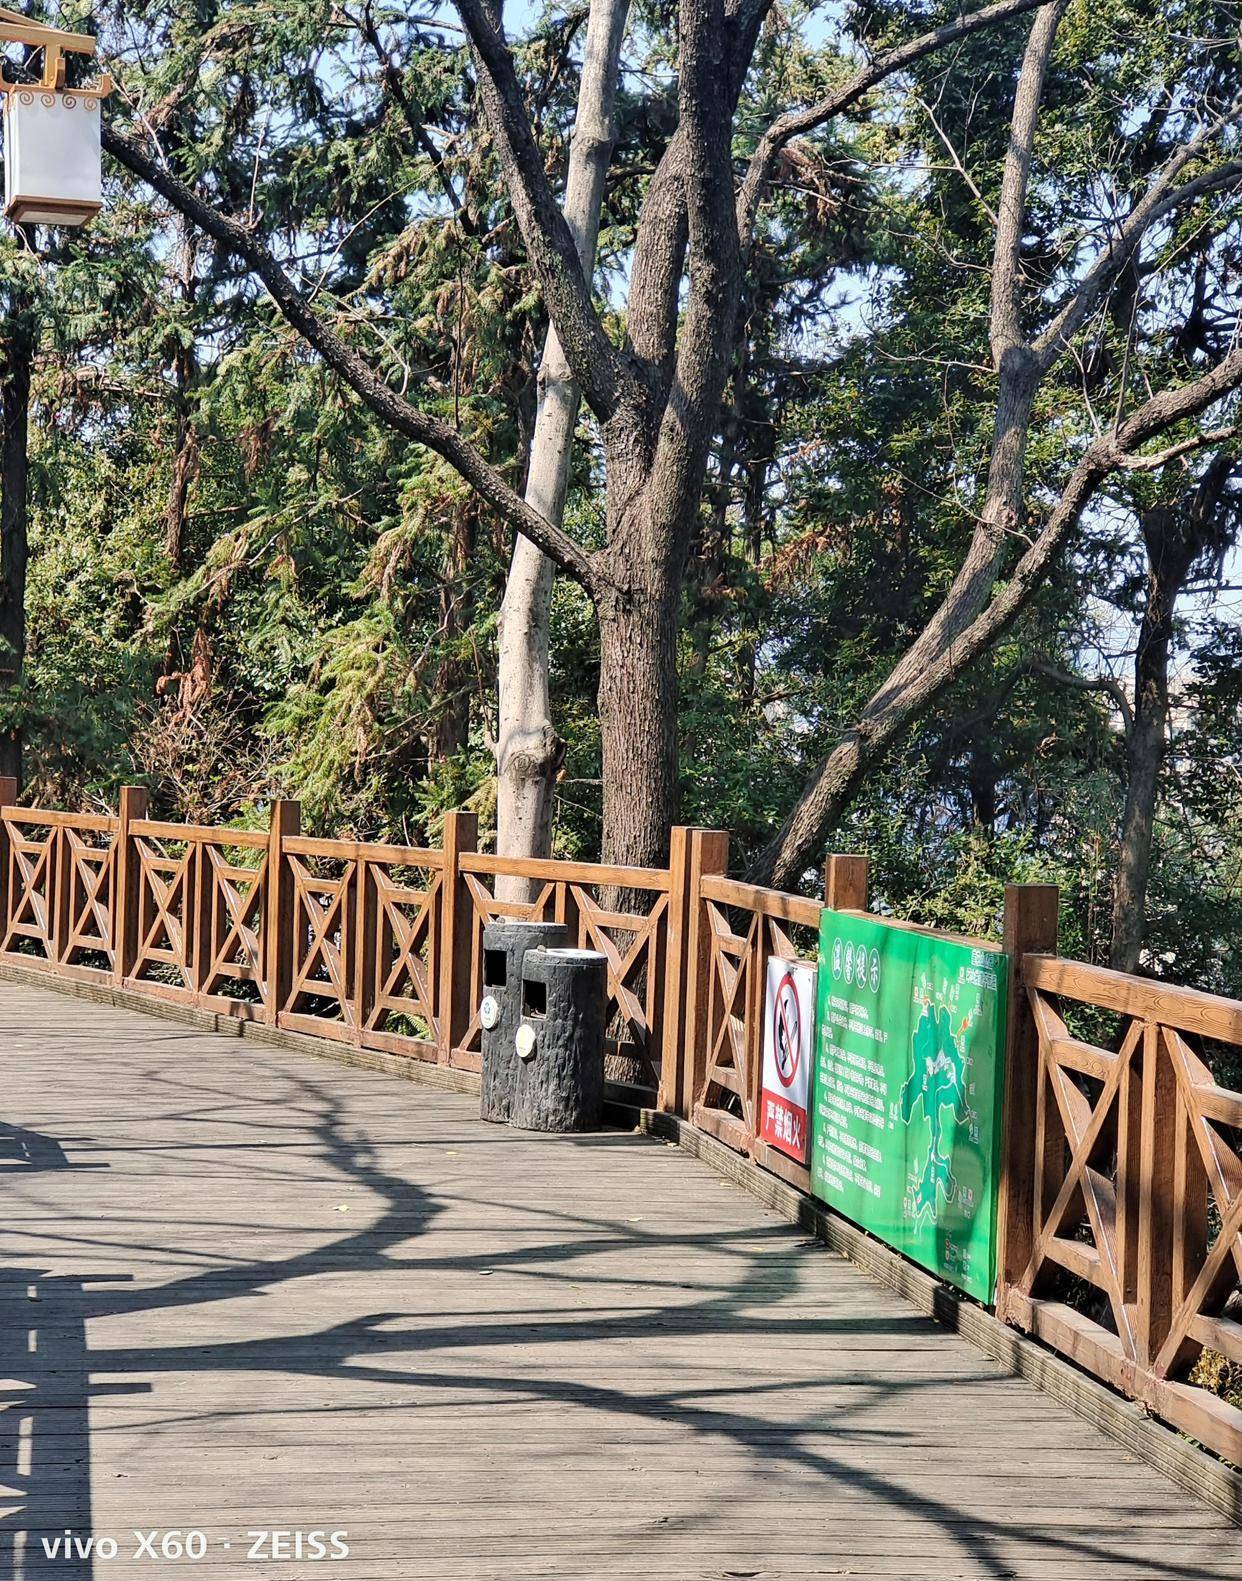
534 998
494 968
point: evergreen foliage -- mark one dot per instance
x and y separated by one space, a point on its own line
317 616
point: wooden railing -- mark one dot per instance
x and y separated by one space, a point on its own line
375 945
1135 1191
1120 1215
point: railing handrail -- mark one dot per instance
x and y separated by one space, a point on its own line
199 833
364 851
1187 1009
775 903
558 870
93 822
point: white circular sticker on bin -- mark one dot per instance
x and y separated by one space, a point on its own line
524 1042
489 1011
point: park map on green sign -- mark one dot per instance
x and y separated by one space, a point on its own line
906 1111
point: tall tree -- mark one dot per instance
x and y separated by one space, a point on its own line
1192 160
656 393
528 749
656 398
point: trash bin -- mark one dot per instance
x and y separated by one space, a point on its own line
560 1041
504 945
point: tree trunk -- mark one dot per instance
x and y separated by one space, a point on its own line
529 751
1175 537
638 723
185 460
183 358
1144 755
185 438
15 370
982 778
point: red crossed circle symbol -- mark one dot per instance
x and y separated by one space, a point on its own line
787 1029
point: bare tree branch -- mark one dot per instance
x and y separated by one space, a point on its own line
972 615
1161 199
602 372
658 262
1018 376
956 159
796 123
1212 436
393 81
1108 684
1108 454
1006 320
890 712
390 407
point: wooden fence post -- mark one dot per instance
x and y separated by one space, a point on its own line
756 989
565 909
365 943
709 854
278 940
59 897
670 1097
199 917
1031 912
128 873
461 833
1154 1152
847 880
8 798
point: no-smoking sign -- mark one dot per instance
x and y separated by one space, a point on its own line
788 1026
787 1031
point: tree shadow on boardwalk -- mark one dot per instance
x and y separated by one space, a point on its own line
44 1385
759 1270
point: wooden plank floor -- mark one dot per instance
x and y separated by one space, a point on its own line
245 1289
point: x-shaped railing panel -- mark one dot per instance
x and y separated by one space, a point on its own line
1221 1269
163 909
235 947
322 907
406 957
731 962
91 892
32 878
1083 1183
596 929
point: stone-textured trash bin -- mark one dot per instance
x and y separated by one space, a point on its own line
504 946
560 1041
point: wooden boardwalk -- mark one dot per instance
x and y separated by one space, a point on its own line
244 1289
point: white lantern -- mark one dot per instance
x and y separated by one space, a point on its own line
51 133
51 156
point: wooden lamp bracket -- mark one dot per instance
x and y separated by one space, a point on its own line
17 29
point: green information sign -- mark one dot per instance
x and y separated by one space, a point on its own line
906 1117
